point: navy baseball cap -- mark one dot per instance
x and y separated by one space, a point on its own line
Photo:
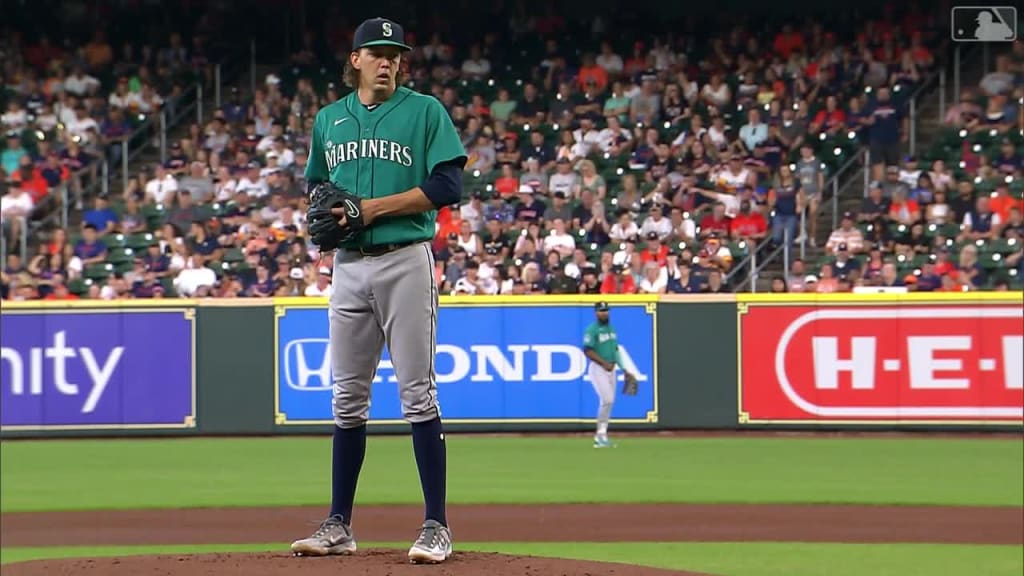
379 32
601 306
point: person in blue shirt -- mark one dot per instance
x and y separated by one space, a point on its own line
680 276
754 131
888 128
101 217
11 157
90 249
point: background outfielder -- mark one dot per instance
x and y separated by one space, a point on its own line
382 160
601 345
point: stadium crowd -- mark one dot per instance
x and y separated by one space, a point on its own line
633 166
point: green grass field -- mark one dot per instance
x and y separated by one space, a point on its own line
181 473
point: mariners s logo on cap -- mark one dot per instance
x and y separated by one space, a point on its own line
379 32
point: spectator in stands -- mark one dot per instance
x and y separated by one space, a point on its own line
15 207
754 131
1001 202
980 223
618 281
624 228
10 160
796 275
969 272
102 218
161 188
714 254
847 234
655 279
715 283
89 250
716 222
811 173
787 202
748 226
888 128
844 264
904 210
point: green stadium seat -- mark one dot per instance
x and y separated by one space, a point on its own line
140 242
77 286
120 255
233 255
115 241
99 271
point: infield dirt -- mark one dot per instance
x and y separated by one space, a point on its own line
531 523
506 523
370 563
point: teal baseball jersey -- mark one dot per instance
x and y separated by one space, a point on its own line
601 338
386 150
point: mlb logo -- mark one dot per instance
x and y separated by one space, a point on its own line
984 23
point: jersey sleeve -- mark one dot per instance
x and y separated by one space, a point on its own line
443 142
316 166
588 337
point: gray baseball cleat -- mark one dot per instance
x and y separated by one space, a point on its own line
332 537
433 546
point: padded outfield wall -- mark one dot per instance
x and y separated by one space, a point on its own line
238 367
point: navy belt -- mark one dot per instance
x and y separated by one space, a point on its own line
380 249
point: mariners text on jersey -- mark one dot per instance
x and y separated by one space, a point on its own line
338 152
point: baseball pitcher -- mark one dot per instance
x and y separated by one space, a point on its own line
382 160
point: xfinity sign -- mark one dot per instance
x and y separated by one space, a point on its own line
98 369
51 366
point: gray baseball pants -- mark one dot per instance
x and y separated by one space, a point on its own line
391 298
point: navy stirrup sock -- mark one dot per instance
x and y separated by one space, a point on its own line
346 462
428 442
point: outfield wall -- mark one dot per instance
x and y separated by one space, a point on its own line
233 367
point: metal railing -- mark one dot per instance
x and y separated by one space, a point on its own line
764 254
175 110
916 100
761 257
22 240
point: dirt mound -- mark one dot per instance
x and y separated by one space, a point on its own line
536 523
363 563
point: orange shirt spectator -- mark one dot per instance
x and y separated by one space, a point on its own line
788 41
98 52
825 119
660 255
447 223
507 185
905 212
748 225
596 73
31 179
618 283
1002 202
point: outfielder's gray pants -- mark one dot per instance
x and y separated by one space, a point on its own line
604 385
390 298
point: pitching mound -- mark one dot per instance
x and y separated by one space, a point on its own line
363 563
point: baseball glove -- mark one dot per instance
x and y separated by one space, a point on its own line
324 230
629 384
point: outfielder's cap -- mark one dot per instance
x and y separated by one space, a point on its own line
601 306
379 32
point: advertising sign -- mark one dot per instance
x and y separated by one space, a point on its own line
97 369
494 363
883 363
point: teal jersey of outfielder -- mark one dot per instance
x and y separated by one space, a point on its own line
387 150
601 338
